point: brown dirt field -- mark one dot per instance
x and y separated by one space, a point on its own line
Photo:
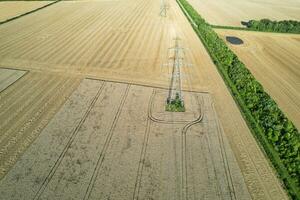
232 12
10 9
118 139
8 77
26 107
274 60
127 41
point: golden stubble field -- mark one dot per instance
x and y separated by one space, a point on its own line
233 12
26 108
122 41
274 60
9 9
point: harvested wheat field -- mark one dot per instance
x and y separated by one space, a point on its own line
149 153
103 142
233 12
8 77
26 108
274 60
10 9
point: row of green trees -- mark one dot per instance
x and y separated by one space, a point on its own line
277 134
285 26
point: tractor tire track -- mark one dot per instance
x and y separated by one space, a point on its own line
105 146
71 139
139 176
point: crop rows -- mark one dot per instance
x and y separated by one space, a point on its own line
26 107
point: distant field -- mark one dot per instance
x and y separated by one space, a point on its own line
232 12
10 9
274 60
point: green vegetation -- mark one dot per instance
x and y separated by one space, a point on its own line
266 25
285 26
278 136
175 105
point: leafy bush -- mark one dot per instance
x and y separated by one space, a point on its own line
175 105
277 134
285 26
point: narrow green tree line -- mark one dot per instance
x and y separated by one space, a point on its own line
285 26
276 133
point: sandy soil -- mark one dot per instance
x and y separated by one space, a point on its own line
118 140
26 107
8 77
233 12
10 9
128 41
275 61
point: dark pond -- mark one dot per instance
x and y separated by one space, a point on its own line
234 40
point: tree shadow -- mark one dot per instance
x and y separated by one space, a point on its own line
244 23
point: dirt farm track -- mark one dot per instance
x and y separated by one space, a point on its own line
82 92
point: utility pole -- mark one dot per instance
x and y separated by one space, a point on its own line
175 93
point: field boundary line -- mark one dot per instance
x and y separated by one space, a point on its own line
12 136
143 85
25 102
71 139
8 95
25 70
51 110
106 145
29 12
16 92
25 73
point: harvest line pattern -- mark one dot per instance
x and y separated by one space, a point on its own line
72 137
106 145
